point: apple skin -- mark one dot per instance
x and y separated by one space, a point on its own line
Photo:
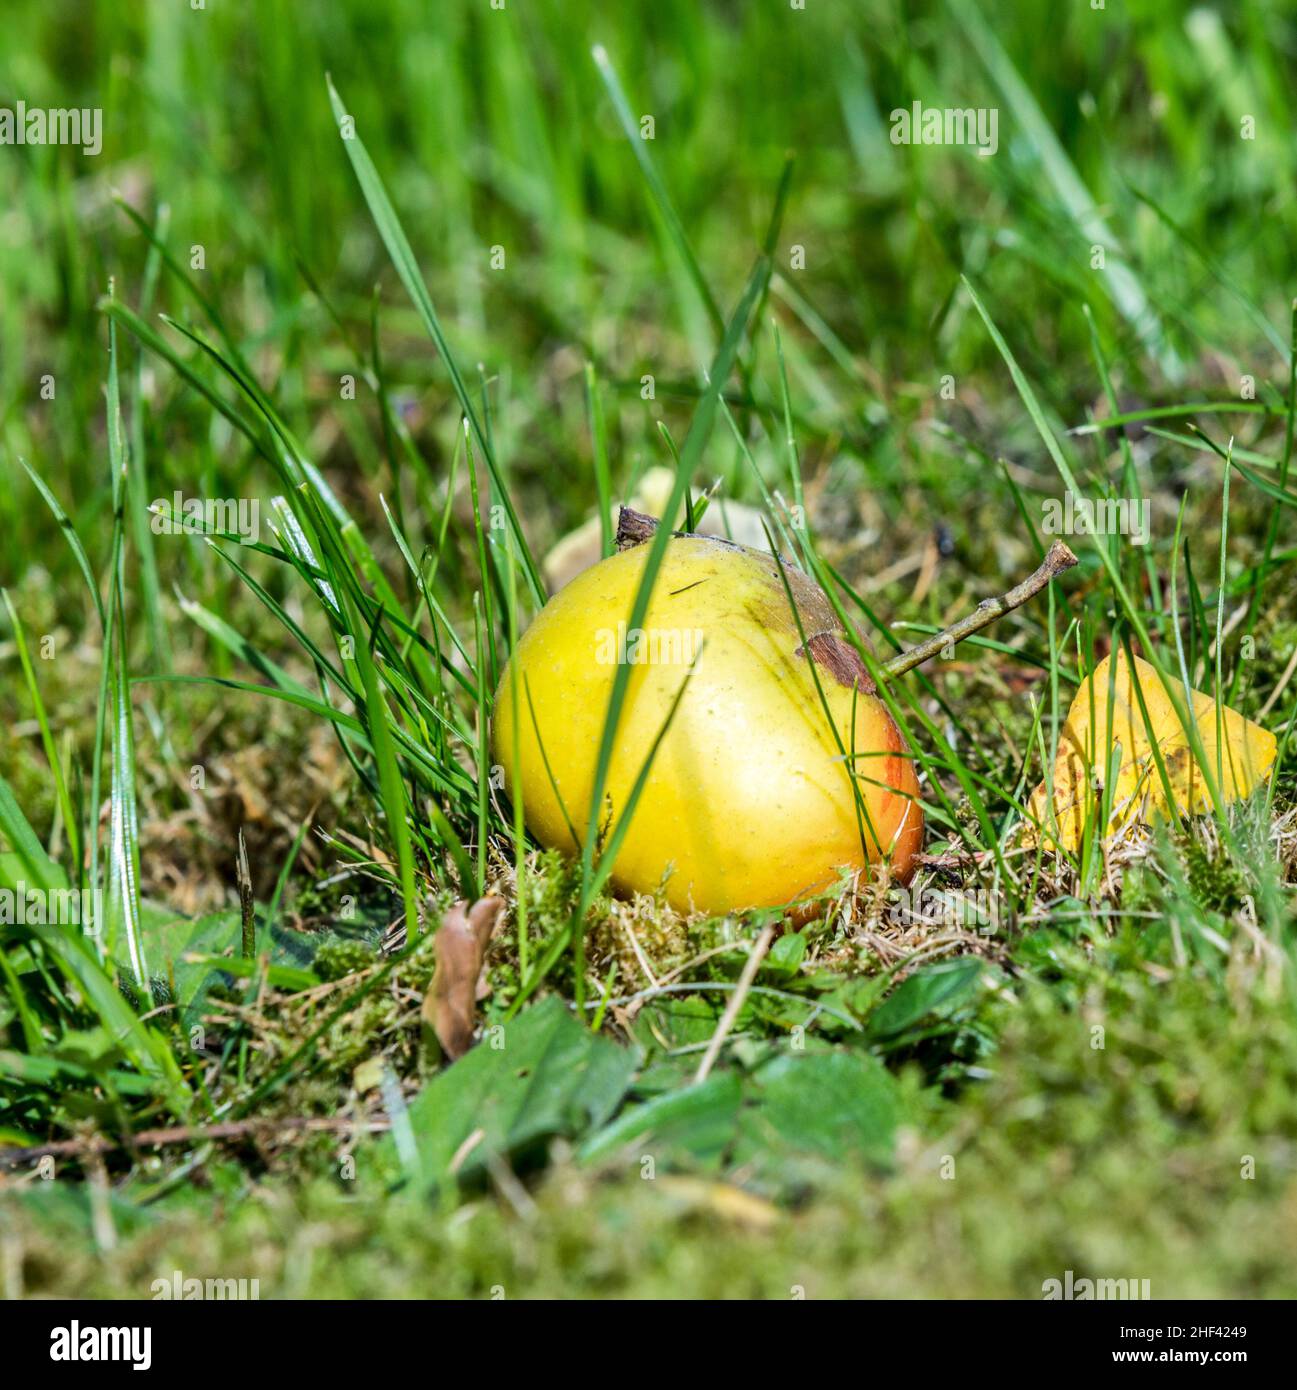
749 800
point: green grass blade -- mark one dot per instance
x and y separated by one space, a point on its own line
1121 284
403 258
699 432
670 217
47 738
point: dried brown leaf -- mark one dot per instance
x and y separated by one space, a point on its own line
450 1006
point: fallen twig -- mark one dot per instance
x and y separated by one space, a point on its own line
1059 559
634 528
186 1134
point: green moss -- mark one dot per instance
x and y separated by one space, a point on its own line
1214 879
337 959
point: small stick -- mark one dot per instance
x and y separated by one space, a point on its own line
190 1134
634 528
1281 687
736 1002
1059 559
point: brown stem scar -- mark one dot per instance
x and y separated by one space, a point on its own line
634 528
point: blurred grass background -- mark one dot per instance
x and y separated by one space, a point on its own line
493 129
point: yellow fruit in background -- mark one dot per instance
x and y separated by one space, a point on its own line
749 802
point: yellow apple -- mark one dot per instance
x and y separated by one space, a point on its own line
750 800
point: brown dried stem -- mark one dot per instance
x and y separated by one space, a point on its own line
634 528
1059 559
